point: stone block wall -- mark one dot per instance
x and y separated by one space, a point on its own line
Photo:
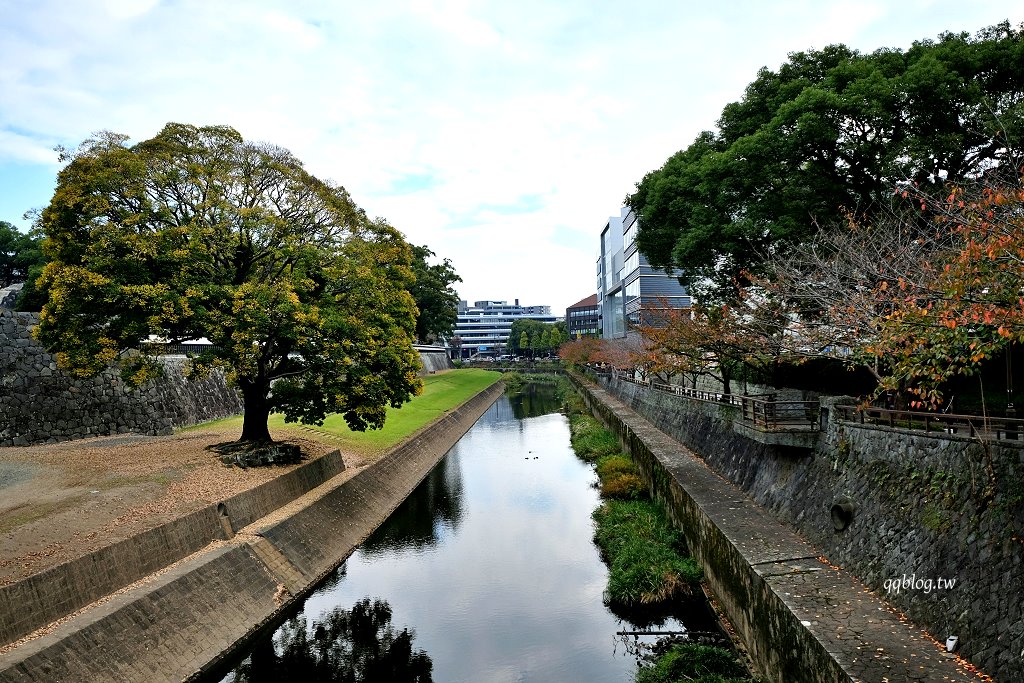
41 404
433 359
927 507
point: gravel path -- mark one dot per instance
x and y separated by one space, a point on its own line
61 501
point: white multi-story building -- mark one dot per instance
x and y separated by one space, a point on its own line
483 329
626 282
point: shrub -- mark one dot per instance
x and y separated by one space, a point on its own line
623 486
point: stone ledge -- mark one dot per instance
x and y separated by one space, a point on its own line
40 599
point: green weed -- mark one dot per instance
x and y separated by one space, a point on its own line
590 439
692 662
645 554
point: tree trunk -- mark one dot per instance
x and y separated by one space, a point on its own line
257 411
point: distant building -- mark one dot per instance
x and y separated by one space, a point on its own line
583 318
483 329
626 282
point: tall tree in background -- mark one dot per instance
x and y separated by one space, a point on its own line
198 233
19 253
436 299
832 130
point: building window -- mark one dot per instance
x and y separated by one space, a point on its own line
632 264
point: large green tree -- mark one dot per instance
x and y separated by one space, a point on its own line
436 299
198 233
832 130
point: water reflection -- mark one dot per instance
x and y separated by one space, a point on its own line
535 400
418 523
345 646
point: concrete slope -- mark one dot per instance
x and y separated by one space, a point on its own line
190 618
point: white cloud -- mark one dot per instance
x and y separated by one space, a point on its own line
554 108
128 9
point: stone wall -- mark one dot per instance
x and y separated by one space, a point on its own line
926 507
433 359
41 404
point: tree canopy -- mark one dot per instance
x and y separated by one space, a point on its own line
18 254
436 299
198 233
832 130
534 336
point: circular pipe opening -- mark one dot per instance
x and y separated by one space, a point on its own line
842 513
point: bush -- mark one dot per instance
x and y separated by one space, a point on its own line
692 662
623 486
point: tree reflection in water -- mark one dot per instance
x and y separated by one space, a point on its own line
347 646
536 399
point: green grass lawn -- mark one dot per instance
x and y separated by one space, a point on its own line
441 393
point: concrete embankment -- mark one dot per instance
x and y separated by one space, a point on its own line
801 618
188 619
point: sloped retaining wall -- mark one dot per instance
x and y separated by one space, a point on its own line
433 359
189 620
926 507
52 594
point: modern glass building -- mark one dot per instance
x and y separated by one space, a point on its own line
626 282
483 329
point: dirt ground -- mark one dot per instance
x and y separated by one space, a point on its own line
61 501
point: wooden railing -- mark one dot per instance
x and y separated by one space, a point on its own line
767 414
761 411
780 415
992 428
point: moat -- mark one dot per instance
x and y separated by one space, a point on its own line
487 572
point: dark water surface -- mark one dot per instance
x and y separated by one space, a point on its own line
487 572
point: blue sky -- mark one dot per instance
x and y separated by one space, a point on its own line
500 134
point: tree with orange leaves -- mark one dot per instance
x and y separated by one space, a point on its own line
710 342
580 352
972 305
